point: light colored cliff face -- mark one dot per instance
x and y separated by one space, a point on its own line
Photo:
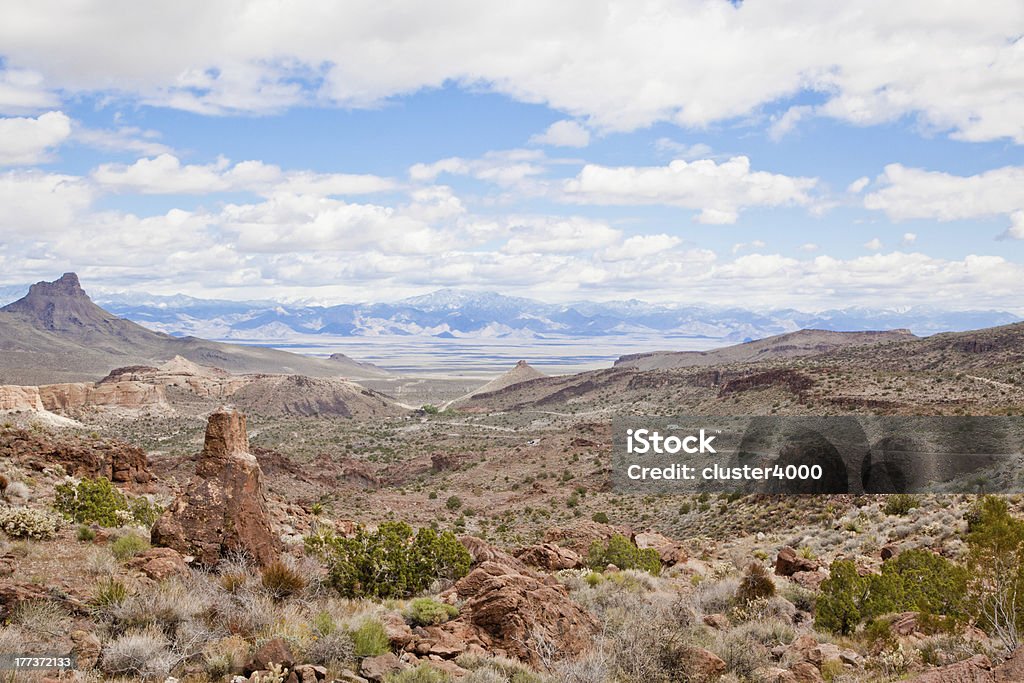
14 397
59 397
179 372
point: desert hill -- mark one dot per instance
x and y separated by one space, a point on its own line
56 333
790 345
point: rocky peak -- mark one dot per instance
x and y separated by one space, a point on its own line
66 285
225 435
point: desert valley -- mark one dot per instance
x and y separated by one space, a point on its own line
177 508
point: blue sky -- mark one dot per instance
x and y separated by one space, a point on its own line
766 154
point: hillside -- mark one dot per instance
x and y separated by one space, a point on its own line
791 345
55 333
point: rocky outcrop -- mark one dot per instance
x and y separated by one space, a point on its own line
159 563
129 394
519 614
580 537
977 669
669 552
1012 669
224 508
788 563
549 556
13 397
117 461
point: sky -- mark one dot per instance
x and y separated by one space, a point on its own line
764 154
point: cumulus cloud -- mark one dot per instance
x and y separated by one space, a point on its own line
36 204
908 238
873 244
563 134
165 174
954 66
504 167
554 235
908 193
718 190
25 141
124 139
858 185
22 92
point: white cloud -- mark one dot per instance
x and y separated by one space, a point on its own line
26 141
955 66
37 204
680 150
743 246
809 247
505 168
784 123
554 235
858 185
563 134
22 92
125 139
874 244
908 238
165 174
908 193
719 191
640 247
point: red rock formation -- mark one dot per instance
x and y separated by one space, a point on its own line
117 461
224 508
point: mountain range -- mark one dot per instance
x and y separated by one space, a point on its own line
56 333
451 313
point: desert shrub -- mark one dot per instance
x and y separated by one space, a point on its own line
995 561
142 655
99 501
832 669
86 534
900 504
430 612
424 673
332 649
128 546
916 580
391 562
23 522
757 583
621 552
842 594
282 580
600 518
497 669
369 639
453 503
225 656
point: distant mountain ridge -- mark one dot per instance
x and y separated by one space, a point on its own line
453 313
55 333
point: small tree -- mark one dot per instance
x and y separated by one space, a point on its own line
621 552
842 594
391 562
996 565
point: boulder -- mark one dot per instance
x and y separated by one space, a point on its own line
549 556
224 508
774 674
788 563
159 563
1012 670
977 669
805 672
582 535
703 665
670 552
377 668
274 651
512 611
86 648
481 551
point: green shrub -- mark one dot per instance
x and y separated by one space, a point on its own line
128 546
370 639
842 593
86 534
900 504
99 501
916 580
23 522
282 580
424 673
453 503
995 561
621 552
430 612
600 518
756 584
391 562
109 593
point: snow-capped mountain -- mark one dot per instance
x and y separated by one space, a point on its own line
451 313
